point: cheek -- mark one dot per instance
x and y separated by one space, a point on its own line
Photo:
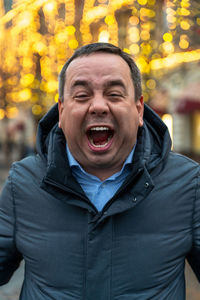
71 125
129 119
65 122
131 125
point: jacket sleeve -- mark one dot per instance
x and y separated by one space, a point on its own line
9 256
194 255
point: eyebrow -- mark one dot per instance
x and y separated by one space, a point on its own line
109 84
116 82
80 83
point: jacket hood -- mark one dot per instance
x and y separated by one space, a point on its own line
153 143
45 127
156 139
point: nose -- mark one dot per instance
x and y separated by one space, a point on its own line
99 105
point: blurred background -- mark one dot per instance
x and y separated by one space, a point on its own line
38 36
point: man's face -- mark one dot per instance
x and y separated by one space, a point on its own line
99 115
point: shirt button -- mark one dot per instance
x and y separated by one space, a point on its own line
146 185
134 199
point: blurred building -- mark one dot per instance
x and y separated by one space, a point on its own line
163 36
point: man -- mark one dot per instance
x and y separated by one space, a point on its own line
105 210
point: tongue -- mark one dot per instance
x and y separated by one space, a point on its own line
100 137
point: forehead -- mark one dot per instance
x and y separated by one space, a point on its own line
99 64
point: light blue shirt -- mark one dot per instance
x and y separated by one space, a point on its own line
99 192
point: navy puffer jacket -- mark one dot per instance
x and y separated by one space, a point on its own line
134 249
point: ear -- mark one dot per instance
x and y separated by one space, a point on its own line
60 110
140 109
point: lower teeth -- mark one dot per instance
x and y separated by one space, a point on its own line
99 146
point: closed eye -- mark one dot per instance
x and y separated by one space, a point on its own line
115 95
81 97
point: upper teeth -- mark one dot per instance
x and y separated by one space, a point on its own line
99 128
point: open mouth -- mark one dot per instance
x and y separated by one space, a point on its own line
100 137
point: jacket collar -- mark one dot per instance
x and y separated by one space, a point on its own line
153 145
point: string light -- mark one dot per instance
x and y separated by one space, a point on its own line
43 34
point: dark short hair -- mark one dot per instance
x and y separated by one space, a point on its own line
107 48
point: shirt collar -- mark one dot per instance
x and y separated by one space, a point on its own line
73 162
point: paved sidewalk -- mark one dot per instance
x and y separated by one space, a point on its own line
11 291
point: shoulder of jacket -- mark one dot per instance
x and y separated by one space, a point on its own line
30 165
183 159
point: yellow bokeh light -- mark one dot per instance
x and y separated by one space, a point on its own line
168 47
168 120
172 26
146 49
39 47
151 2
27 80
144 12
151 13
134 35
174 59
70 30
145 35
167 37
145 97
73 44
49 7
151 84
171 19
27 63
13 80
24 19
135 49
134 11
36 109
184 12
142 2
185 25
143 65
96 13
170 11
156 64
24 95
2 114
12 112
104 36
42 36
183 37
133 30
61 37
127 50
51 86
56 98
185 3
109 20
183 44
134 20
